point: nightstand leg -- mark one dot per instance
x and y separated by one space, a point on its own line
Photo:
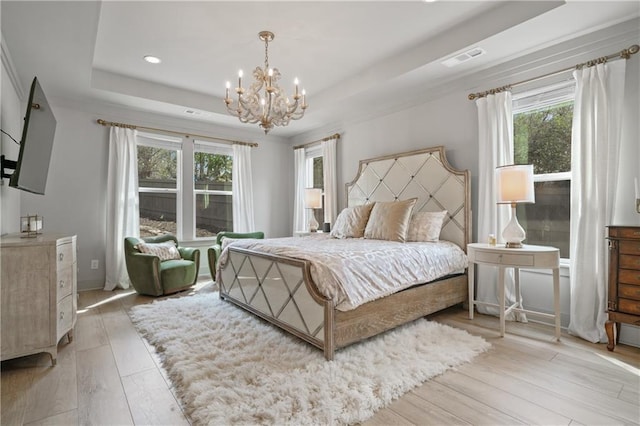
501 273
471 278
516 279
556 300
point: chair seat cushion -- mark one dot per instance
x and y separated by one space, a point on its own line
177 274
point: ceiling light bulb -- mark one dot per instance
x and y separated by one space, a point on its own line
152 59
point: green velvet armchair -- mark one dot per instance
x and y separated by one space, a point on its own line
151 276
214 251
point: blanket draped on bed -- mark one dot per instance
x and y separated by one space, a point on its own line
355 271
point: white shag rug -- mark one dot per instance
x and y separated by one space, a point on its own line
229 367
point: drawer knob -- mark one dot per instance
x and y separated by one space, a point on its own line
62 315
61 257
61 283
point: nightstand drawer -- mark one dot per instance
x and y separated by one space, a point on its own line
629 276
516 260
629 262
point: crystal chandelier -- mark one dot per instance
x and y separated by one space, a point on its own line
264 102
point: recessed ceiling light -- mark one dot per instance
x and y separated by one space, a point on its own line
152 59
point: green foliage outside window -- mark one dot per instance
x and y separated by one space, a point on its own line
543 138
212 167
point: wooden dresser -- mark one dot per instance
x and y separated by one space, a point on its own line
624 280
38 294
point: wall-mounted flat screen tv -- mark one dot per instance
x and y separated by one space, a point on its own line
32 167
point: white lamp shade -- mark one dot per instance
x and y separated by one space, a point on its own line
313 198
514 184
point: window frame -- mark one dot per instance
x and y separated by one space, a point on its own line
154 140
310 154
538 99
208 148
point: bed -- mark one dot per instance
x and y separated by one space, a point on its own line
281 290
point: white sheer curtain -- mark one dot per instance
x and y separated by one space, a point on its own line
595 157
330 180
242 187
299 213
122 203
495 140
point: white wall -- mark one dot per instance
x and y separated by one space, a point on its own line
75 199
11 122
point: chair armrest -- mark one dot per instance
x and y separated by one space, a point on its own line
144 273
213 254
189 253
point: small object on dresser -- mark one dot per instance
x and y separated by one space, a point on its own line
30 225
492 240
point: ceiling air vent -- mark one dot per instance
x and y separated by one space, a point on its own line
463 57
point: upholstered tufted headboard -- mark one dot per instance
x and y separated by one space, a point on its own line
424 174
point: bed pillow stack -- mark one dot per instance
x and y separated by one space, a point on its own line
352 221
392 221
426 226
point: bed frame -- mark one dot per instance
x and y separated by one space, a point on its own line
281 291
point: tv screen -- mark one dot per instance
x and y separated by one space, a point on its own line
38 132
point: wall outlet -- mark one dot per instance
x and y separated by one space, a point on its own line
94 264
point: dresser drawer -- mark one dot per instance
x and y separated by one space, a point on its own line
64 255
64 282
629 276
64 316
629 306
629 291
625 232
630 247
629 262
516 260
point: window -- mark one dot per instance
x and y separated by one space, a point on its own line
184 187
542 123
315 176
159 169
212 174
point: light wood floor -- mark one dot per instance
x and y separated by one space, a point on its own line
110 375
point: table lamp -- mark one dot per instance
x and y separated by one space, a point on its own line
313 200
514 185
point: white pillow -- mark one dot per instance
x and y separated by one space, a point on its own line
165 251
351 222
390 220
426 226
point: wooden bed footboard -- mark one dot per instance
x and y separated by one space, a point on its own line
281 291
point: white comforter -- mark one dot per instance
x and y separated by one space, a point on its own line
355 271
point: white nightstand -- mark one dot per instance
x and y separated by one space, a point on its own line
529 257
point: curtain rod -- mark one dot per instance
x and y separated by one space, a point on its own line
133 126
623 54
328 138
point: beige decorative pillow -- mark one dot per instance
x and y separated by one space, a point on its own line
351 222
165 251
390 220
426 226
